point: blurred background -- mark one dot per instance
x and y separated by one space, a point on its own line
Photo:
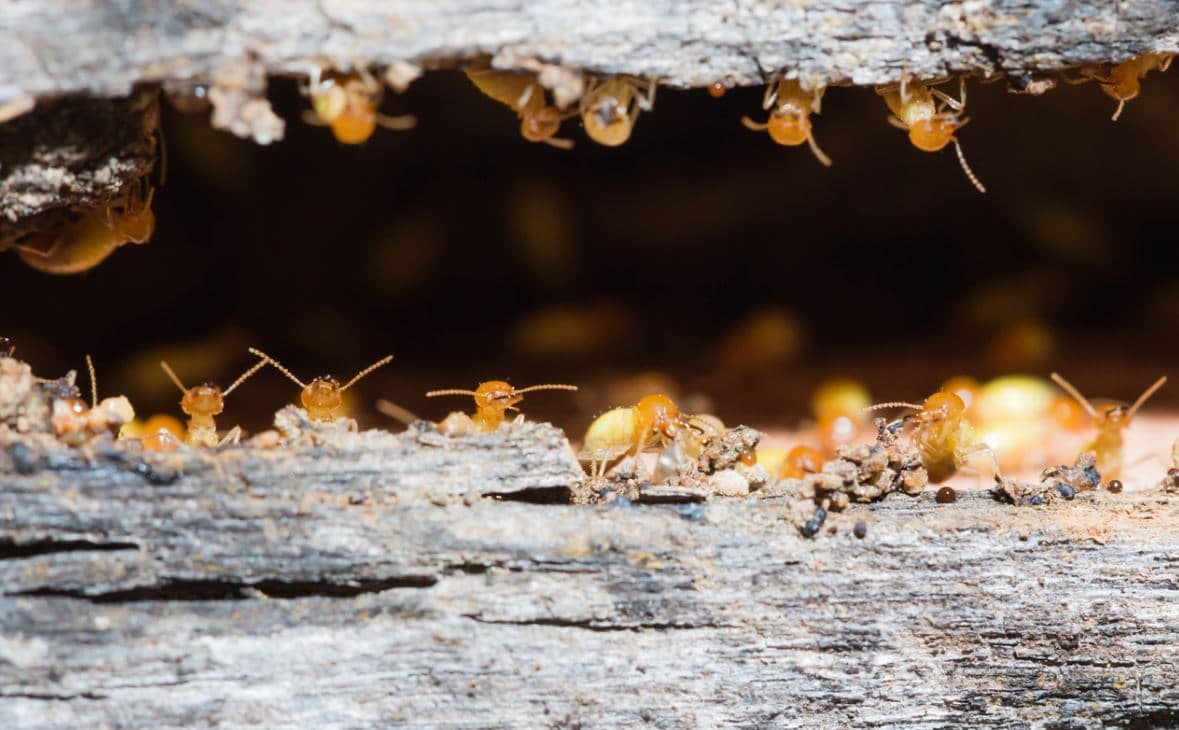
699 258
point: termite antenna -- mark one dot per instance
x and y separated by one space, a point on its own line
449 391
892 404
547 386
755 126
1146 394
966 168
824 160
396 412
1076 394
172 375
244 376
379 363
94 383
278 366
1118 112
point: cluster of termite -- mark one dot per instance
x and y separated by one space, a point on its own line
348 103
962 420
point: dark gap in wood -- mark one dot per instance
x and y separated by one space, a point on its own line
538 495
10 550
217 590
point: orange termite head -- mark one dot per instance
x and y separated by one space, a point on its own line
203 400
660 413
354 126
607 121
933 134
943 405
323 394
540 124
496 394
790 127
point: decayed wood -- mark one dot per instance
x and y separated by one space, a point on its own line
54 47
321 576
72 154
297 604
59 48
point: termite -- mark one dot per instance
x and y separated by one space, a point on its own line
653 421
539 121
201 403
1123 82
790 123
800 461
690 443
1110 422
494 398
922 112
610 107
72 419
838 406
347 103
86 242
323 396
944 437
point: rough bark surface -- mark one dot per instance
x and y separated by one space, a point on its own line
296 604
60 48
55 47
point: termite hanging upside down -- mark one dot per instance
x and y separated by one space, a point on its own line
943 436
323 396
347 103
539 121
790 123
653 421
1123 82
201 403
1110 422
494 398
85 243
922 112
610 107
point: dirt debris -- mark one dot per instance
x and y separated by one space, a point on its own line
1057 483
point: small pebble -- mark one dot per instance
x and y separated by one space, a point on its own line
691 512
1115 485
1065 490
946 495
811 528
860 530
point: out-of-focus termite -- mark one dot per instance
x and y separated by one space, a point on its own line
347 103
1111 421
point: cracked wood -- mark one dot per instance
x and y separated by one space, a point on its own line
127 602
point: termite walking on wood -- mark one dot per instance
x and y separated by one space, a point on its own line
494 398
323 396
790 121
944 437
931 117
201 403
628 431
1111 421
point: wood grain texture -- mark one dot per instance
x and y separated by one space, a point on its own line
325 598
54 47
